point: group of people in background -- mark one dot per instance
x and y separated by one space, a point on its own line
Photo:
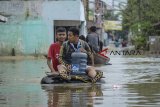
115 38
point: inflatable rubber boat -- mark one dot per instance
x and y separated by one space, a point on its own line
51 79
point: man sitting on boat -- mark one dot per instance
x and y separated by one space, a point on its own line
72 45
54 50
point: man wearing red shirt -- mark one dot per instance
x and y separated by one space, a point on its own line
54 50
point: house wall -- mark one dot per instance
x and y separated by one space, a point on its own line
30 25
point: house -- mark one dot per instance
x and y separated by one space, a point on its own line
31 25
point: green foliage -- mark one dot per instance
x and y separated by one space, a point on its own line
139 41
141 15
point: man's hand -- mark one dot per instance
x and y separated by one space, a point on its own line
83 50
92 59
51 66
69 67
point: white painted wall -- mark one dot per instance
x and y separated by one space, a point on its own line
63 10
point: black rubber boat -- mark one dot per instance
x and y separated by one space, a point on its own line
51 79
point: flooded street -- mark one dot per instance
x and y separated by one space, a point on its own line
130 82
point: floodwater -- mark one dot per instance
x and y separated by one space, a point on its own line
130 82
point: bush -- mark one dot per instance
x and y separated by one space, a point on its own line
139 42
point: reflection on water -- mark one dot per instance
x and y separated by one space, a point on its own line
74 95
130 82
19 86
144 89
146 94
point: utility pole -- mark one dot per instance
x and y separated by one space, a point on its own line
99 17
113 4
87 10
112 9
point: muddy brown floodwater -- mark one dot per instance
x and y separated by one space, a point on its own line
130 82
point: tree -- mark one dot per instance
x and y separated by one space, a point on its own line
139 17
